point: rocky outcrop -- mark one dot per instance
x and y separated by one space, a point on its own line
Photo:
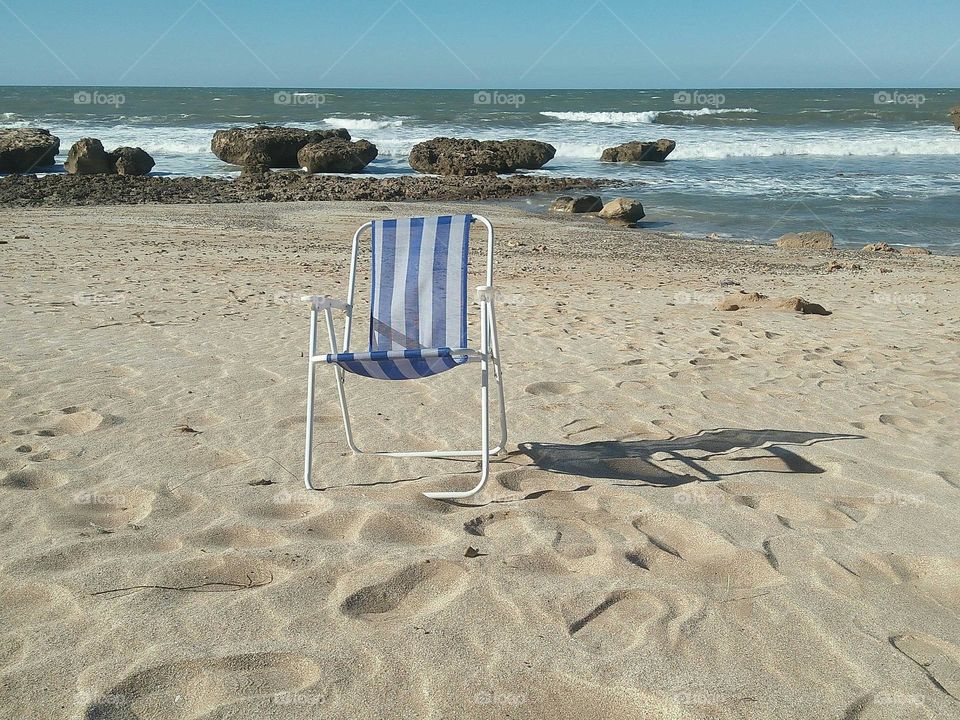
639 151
810 240
880 247
915 250
456 156
585 204
622 209
26 149
336 155
745 301
955 116
131 161
266 146
87 157
66 190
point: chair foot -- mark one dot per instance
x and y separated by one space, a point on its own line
459 495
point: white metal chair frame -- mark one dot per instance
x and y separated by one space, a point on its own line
489 351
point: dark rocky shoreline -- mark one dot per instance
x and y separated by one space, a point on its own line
73 190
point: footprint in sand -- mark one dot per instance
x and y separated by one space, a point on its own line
793 511
681 549
76 420
73 420
237 536
939 659
419 588
106 508
32 478
552 388
233 686
396 529
625 618
27 604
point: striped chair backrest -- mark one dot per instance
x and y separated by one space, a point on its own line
419 283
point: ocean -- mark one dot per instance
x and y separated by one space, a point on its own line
869 165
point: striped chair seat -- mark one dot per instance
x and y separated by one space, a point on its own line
399 364
418 303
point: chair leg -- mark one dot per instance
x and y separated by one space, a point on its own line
484 421
311 374
498 375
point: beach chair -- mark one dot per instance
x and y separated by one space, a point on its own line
418 325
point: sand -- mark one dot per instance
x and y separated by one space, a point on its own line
702 514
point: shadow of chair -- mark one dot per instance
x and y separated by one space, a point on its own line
635 462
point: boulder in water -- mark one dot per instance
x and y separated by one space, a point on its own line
457 156
336 155
622 209
131 161
639 151
585 204
955 116
87 157
266 146
23 149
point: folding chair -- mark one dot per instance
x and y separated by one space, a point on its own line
418 325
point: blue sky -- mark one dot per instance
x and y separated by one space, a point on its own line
501 44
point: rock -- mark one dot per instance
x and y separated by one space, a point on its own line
744 301
87 157
835 265
263 145
798 304
812 240
585 204
456 156
915 251
623 210
639 151
336 155
131 161
955 116
23 149
879 247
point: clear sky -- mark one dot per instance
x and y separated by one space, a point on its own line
493 44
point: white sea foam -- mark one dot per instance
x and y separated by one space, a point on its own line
610 118
887 146
362 123
644 118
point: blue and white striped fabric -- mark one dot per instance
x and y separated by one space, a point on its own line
418 306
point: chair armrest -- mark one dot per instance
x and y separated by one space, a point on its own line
321 302
486 293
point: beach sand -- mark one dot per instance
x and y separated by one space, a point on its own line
702 514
